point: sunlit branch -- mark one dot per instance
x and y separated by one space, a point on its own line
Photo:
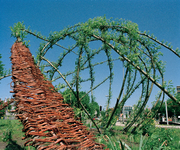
77 76
94 88
44 39
133 82
137 85
139 69
2 77
72 91
4 105
156 111
59 74
160 43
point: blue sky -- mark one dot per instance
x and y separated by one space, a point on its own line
160 17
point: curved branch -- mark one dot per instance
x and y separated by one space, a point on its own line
117 101
142 71
2 77
160 43
72 91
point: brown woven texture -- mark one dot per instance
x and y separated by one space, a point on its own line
48 122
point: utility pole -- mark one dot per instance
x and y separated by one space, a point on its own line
166 112
123 95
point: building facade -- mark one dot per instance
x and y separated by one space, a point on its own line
127 111
178 89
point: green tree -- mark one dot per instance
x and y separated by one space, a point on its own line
3 72
172 107
71 99
94 109
2 112
1 67
4 106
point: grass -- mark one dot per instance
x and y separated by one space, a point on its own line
158 138
14 125
11 134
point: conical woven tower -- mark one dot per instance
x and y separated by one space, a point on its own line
48 122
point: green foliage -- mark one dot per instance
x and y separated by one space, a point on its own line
7 135
18 31
112 143
138 51
161 139
94 109
148 126
3 111
71 99
1 67
172 107
11 133
104 117
3 72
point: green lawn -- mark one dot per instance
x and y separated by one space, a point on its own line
159 138
11 129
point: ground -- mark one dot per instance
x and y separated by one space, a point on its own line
2 145
17 144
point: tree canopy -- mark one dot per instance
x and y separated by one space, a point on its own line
172 107
3 72
70 99
1 67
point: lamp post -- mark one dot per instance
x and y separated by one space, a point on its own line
123 95
166 113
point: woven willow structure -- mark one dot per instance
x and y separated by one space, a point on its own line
48 122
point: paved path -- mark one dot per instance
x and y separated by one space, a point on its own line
160 126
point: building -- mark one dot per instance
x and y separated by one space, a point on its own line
178 89
8 113
127 110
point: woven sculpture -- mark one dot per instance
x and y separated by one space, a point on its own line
48 122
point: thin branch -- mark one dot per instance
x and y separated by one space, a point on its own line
77 77
117 101
160 43
94 88
2 77
46 39
82 69
59 74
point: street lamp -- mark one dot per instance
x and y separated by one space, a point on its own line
123 95
166 113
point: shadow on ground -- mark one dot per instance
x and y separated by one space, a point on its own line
12 145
